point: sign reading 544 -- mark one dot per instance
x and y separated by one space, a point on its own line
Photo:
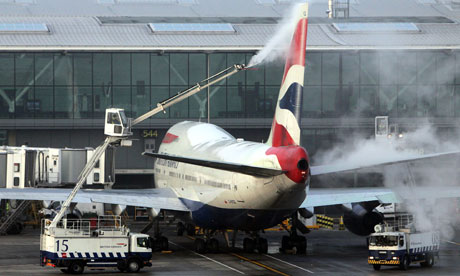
148 133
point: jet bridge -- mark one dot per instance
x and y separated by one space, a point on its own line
24 166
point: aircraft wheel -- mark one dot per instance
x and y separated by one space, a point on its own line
200 246
262 246
286 244
248 245
213 245
180 228
376 267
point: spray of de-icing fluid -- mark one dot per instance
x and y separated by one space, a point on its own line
278 45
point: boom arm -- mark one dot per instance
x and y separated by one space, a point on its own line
189 92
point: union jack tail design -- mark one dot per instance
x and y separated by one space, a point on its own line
286 123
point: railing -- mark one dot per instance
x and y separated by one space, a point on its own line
84 227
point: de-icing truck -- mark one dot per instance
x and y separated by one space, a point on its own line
104 242
402 247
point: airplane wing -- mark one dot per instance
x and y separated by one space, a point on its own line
227 166
344 167
161 198
333 196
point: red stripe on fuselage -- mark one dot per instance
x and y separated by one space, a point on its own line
169 138
298 47
281 136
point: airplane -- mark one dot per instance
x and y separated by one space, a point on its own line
218 182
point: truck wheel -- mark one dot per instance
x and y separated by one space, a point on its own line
133 266
76 268
377 267
429 261
405 262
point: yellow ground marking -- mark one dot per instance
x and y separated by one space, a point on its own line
259 264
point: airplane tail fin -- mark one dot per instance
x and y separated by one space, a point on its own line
285 129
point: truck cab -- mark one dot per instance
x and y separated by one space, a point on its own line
140 244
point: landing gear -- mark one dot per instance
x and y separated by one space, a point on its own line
250 244
213 245
190 228
180 228
294 241
162 243
262 246
200 246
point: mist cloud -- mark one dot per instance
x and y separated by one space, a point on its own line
436 175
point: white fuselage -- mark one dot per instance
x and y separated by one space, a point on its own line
211 193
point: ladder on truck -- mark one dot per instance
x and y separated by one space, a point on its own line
13 216
119 131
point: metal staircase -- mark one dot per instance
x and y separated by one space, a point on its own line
13 216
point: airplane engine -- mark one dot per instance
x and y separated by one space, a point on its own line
117 209
361 219
153 212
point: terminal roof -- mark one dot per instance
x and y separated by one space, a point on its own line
124 24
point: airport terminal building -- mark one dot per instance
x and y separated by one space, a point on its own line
62 63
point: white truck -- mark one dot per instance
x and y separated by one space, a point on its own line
102 242
402 247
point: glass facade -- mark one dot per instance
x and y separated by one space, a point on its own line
357 83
